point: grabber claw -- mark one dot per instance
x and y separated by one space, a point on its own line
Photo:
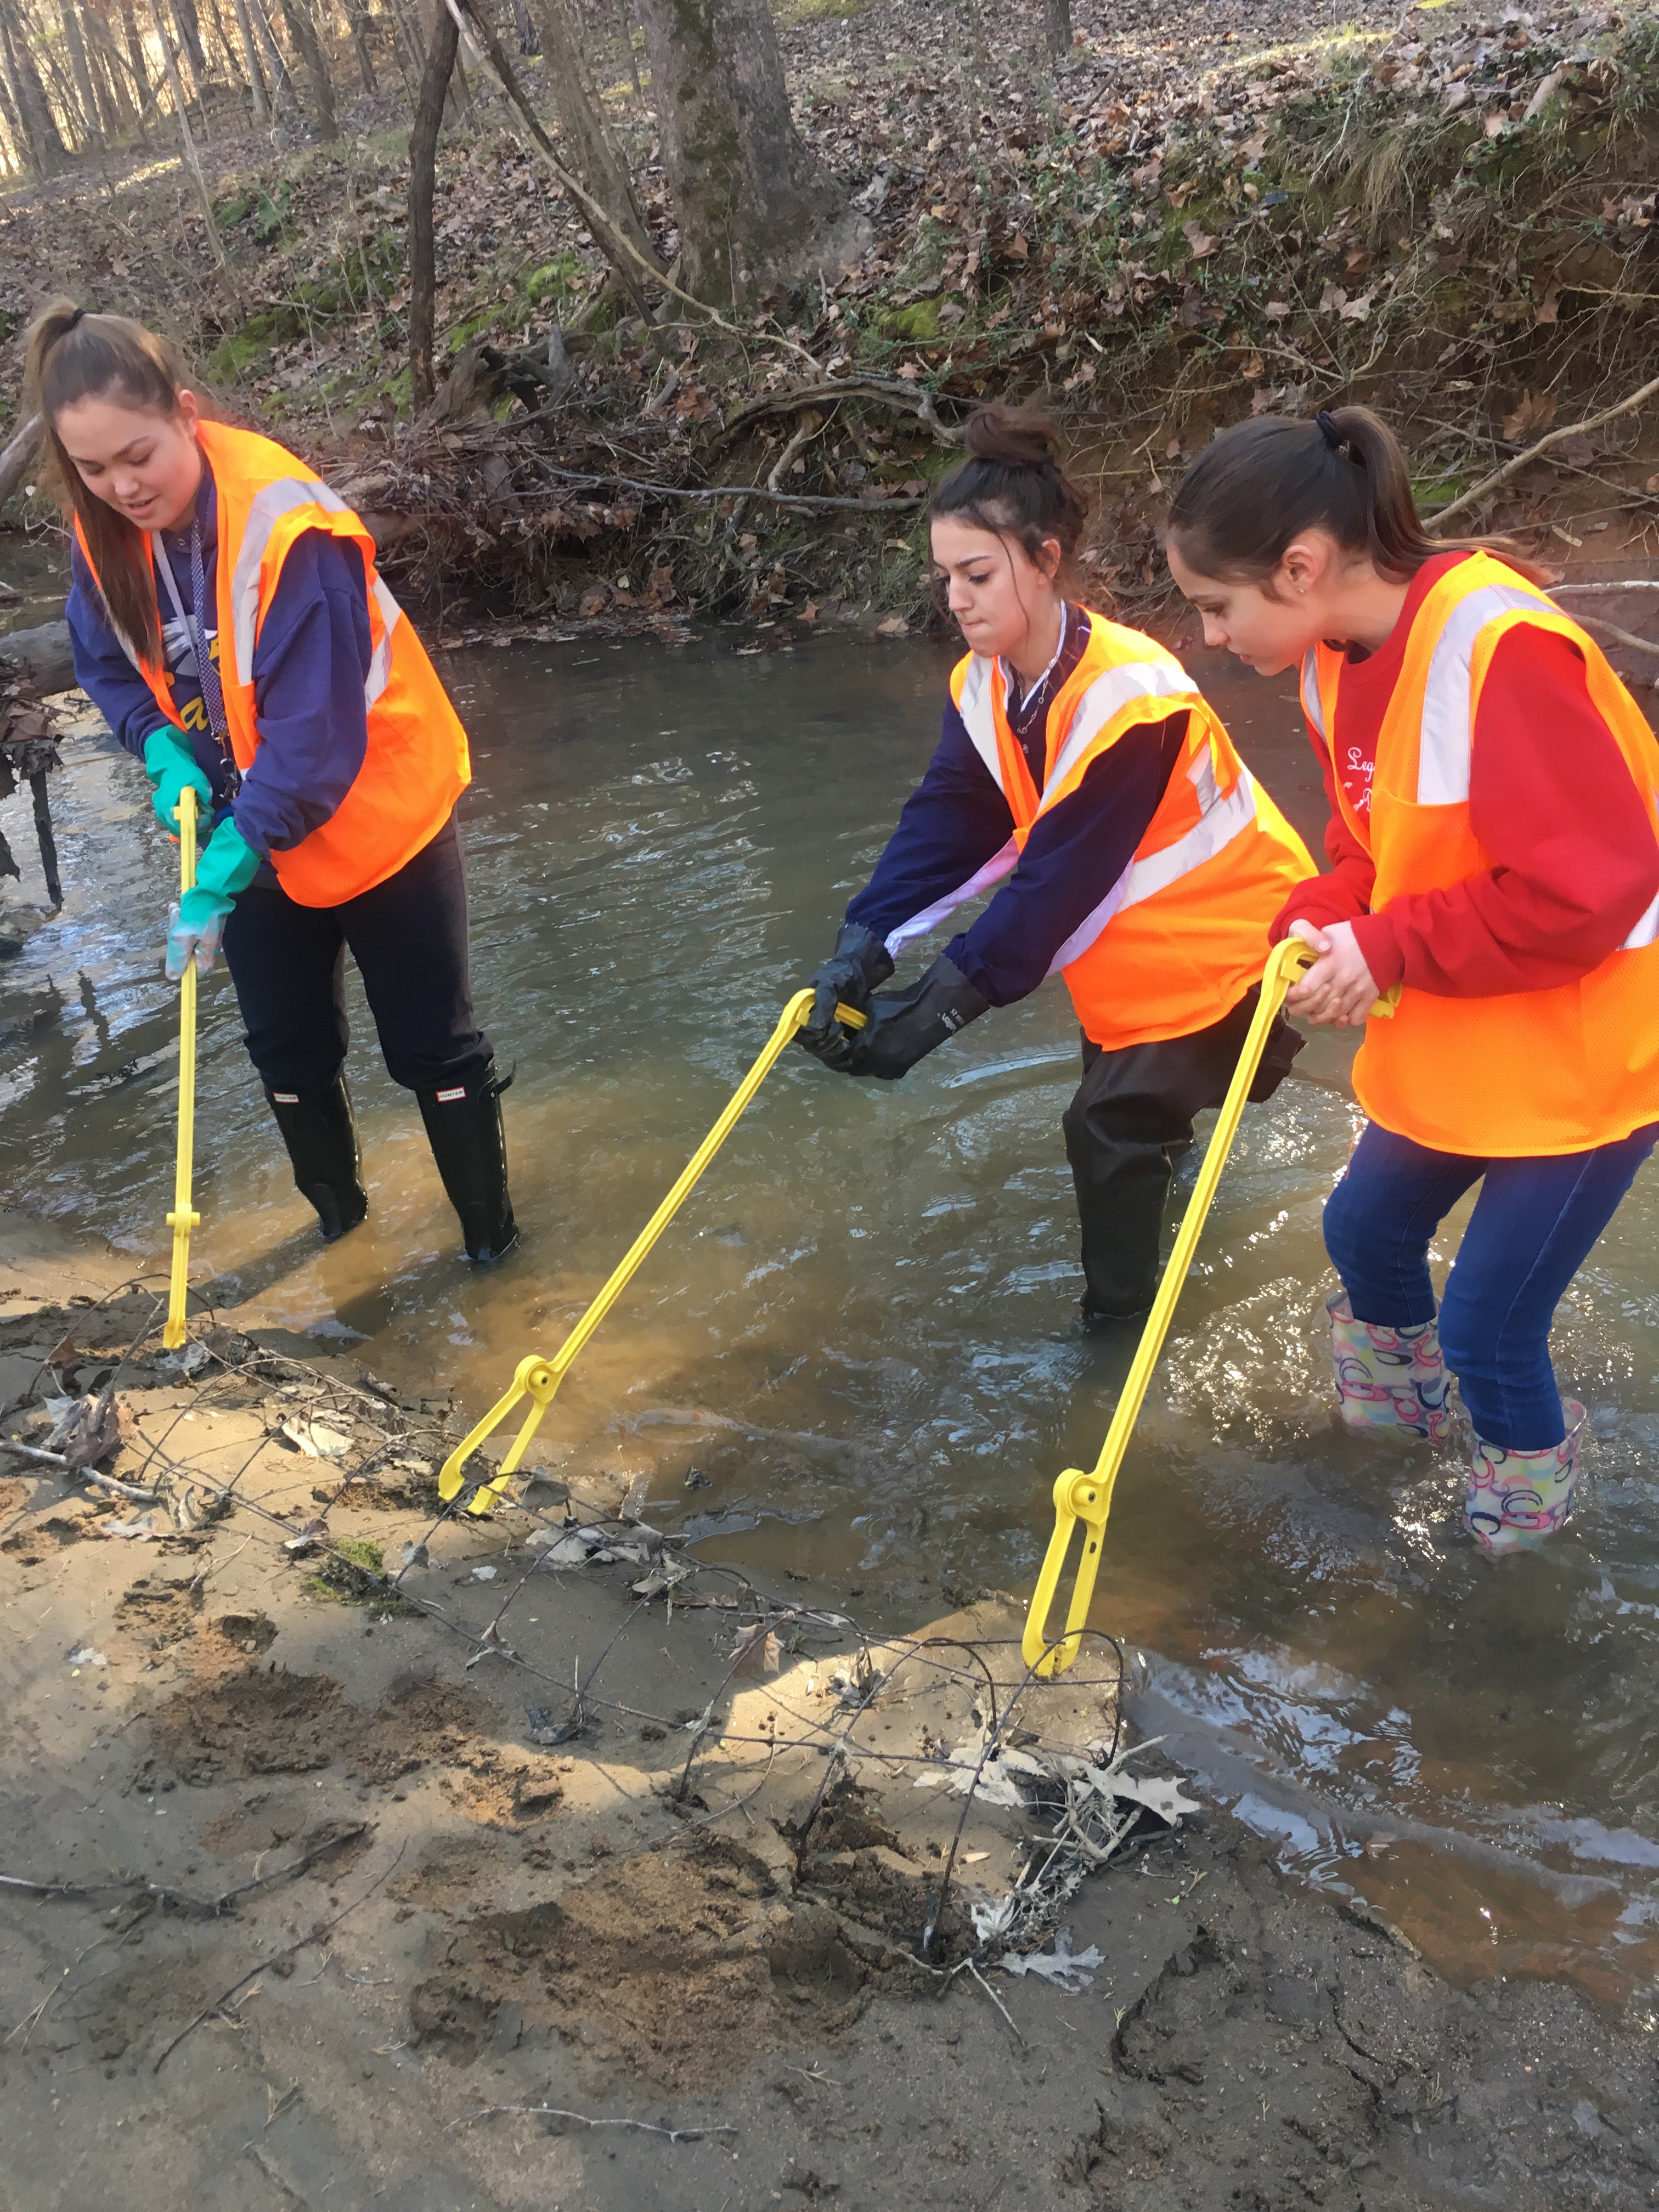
538 1379
535 1379
1079 1500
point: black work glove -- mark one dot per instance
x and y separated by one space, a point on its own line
904 1026
859 962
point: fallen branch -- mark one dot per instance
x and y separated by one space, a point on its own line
85 1474
1622 636
916 399
723 492
199 1908
1551 438
641 2127
1623 584
322 1929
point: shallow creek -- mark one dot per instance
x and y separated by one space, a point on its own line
862 1329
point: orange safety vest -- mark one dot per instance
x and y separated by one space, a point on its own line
1180 936
417 764
1534 1073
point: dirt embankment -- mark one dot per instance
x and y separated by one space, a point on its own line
324 1883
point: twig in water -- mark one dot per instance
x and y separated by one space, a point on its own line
1501 476
554 2112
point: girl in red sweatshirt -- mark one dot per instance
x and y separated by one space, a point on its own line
1490 917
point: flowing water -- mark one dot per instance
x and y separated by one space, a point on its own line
861 1329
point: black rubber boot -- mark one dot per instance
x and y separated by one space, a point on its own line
320 1132
464 1128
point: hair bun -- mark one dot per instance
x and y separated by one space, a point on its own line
1011 437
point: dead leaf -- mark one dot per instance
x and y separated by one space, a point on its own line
1496 120
1333 299
1577 453
758 1651
88 1431
593 600
1549 307
1357 310
809 613
1254 369
1532 417
894 626
314 1531
1276 310
1199 238
314 1437
1172 451
1017 249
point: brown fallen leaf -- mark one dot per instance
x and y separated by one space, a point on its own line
1199 238
1017 249
1549 307
809 613
894 626
1577 453
1333 299
1357 310
1254 369
89 1431
758 1651
1276 310
1532 417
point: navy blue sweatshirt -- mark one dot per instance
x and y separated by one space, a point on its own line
956 838
311 661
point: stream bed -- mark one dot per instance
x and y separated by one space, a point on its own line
856 1353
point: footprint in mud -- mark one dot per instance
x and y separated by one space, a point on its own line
682 1961
260 1722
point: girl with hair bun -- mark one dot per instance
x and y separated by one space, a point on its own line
1494 843
1081 770
226 619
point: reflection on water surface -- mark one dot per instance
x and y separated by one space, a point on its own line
861 1328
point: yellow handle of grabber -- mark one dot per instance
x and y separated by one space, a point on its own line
1086 1499
538 1379
184 1217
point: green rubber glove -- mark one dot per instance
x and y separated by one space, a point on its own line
171 766
196 925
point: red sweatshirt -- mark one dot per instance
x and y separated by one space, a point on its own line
1576 864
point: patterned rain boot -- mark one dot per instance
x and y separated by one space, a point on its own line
1389 1378
1514 1499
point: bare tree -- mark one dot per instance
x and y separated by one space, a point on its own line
188 26
309 47
754 204
255 75
444 45
76 44
283 94
46 149
357 19
588 147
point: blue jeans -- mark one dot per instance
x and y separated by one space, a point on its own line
1533 1226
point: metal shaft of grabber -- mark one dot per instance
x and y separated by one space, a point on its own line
184 1217
1083 1501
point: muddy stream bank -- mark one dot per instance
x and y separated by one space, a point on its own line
846 1381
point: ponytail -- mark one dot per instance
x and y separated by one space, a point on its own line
1255 487
74 355
1012 483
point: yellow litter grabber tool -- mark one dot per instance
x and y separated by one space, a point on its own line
184 1217
1085 1500
538 1379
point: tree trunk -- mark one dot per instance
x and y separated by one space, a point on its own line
358 21
215 244
283 94
120 118
625 26
525 28
457 104
17 152
1057 15
422 162
136 62
68 99
587 146
77 47
407 45
46 149
754 204
190 38
309 47
255 75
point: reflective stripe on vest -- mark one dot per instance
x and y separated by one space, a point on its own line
1178 938
286 496
1535 1074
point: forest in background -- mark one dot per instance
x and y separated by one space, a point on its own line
631 309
